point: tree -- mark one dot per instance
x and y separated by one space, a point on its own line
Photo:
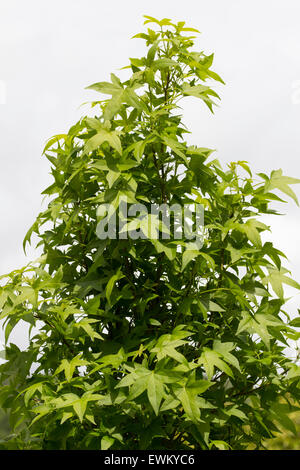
146 342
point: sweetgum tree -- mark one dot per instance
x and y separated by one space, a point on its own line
146 343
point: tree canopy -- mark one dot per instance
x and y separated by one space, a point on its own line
150 343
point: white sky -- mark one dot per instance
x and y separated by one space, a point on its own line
50 51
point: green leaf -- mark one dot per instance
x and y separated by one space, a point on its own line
136 341
276 278
66 415
111 283
107 442
80 408
200 91
164 63
258 324
85 324
234 411
166 345
155 391
105 87
211 359
188 255
103 136
189 403
225 350
170 251
176 147
191 252
187 395
278 181
53 140
295 322
250 228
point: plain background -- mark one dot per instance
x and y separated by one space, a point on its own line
50 51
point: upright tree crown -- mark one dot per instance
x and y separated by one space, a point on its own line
149 342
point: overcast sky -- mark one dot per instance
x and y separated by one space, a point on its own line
50 51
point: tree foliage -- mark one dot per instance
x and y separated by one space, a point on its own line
150 344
